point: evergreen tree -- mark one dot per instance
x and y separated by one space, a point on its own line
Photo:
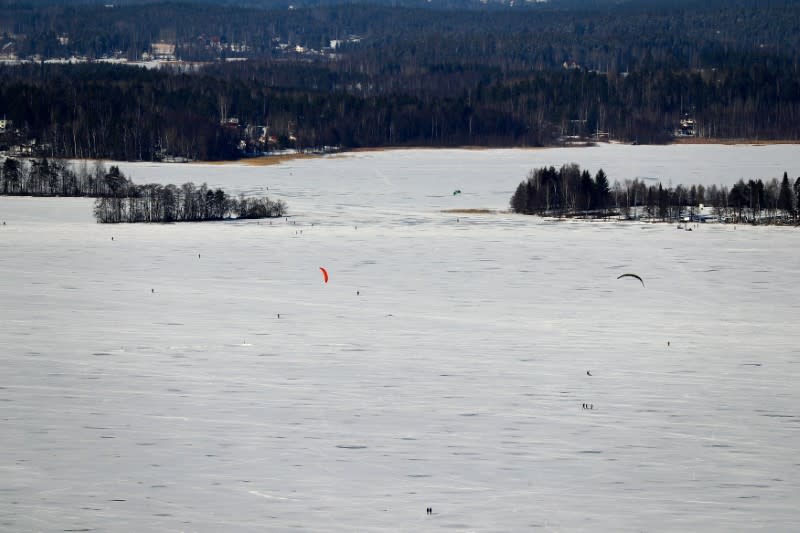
786 196
601 190
586 193
519 200
11 175
796 188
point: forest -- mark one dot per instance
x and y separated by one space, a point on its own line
248 80
118 199
572 192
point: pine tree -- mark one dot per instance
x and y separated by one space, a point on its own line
786 196
11 175
519 200
797 196
601 190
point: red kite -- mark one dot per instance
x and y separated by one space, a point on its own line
324 274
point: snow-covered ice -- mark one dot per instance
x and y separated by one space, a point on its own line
145 388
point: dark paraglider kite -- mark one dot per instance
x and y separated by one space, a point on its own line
324 274
631 275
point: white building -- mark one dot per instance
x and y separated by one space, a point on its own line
163 51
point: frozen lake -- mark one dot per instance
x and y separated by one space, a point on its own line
147 382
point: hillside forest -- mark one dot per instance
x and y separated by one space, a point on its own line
202 81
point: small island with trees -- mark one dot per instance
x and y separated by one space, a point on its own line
570 192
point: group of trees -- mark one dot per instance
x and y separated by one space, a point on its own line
566 191
769 201
402 76
121 200
106 112
54 177
570 191
187 203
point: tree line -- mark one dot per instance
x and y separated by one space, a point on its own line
187 203
55 177
127 113
401 76
121 200
572 192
